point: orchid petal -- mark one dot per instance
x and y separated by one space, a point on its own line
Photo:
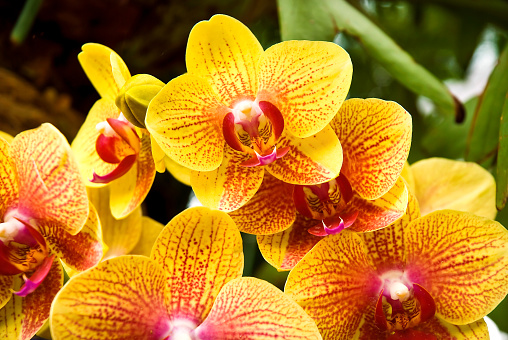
6 282
185 119
120 235
179 172
21 317
375 137
200 250
229 186
105 69
84 145
8 179
129 191
408 176
307 81
158 156
80 251
224 51
285 249
463 264
446 184
381 212
311 160
149 232
335 270
386 247
443 330
51 187
6 137
249 308
269 211
121 298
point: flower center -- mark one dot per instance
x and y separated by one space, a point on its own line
118 143
402 304
328 202
23 248
254 128
182 329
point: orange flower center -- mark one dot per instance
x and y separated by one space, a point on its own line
327 202
402 304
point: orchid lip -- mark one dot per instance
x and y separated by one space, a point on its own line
37 277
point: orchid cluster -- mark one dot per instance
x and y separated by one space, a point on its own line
376 248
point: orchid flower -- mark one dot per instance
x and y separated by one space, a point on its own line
240 110
45 218
440 183
134 234
432 277
189 288
109 148
366 196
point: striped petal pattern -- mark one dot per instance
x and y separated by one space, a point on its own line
200 250
249 308
375 136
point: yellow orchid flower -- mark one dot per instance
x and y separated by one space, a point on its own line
134 234
189 288
239 110
440 183
366 196
109 148
432 277
45 218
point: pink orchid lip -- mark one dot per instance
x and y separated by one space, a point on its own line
122 168
247 116
37 277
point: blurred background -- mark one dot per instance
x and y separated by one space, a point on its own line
415 52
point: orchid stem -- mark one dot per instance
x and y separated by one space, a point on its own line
25 21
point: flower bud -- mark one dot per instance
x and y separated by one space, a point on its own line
135 96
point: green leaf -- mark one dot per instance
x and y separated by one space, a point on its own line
25 21
483 137
502 160
321 20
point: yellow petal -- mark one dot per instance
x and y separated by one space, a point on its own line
200 250
226 53
249 308
447 184
229 186
446 331
311 160
158 156
381 212
8 179
185 119
83 145
375 137
121 298
285 249
6 282
461 260
385 247
307 81
21 317
270 211
81 251
407 174
331 284
179 172
120 235
105 69
51 187
149 233
7 137
130 190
